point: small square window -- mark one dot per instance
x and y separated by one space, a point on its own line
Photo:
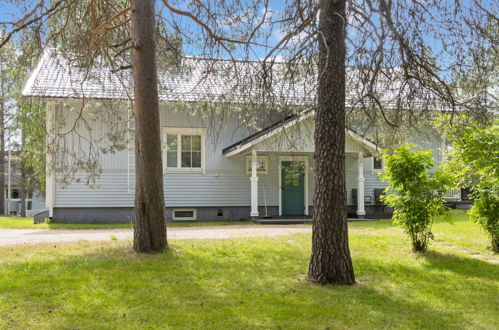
377 164
262 164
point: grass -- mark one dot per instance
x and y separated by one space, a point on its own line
27 223
253 283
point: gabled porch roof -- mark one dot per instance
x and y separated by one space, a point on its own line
278 127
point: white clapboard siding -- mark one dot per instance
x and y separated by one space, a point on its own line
224 181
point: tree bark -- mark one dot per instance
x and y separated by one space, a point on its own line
330 261
149 224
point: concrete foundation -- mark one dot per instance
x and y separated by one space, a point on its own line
125 214
228 213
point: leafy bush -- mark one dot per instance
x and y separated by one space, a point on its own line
485 211
414 193
474 163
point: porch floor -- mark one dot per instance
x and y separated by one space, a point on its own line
293 220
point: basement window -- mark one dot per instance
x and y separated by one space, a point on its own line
184 214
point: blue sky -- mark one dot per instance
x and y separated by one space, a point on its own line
9 12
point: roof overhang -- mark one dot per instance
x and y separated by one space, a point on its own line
278 127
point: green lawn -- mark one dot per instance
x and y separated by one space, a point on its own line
253 283
27 223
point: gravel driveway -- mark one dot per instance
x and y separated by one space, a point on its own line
33 236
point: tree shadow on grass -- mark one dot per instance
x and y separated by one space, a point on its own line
463 285
110 287
229 283
466 266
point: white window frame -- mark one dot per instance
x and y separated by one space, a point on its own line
378 170
263 159
194 214
179 132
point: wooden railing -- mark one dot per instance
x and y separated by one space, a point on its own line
453 194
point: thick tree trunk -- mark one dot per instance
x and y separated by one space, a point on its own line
149 224
330 261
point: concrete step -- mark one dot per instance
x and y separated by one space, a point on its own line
296 221
282 221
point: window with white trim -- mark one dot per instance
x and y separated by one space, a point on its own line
183 148
184 214
378 164
262 164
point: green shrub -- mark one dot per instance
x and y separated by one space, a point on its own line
474 163
485 211
414 193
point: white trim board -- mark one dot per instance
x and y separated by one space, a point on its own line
271 133
368 145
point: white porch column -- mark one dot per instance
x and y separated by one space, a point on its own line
254 185
360 185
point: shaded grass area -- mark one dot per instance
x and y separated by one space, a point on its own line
27 223
248 284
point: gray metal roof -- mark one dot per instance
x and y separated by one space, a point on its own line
220 80
197 79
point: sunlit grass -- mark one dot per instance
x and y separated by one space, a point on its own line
27 223
252 283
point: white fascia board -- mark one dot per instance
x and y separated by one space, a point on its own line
265 136
31 80
368 145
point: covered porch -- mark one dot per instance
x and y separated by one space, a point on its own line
279 160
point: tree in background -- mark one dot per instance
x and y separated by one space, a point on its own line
3 106
474 163
6 89
414 193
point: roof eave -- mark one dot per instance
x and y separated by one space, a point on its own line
31 80
249 144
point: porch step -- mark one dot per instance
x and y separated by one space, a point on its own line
282 221
358 219
293 221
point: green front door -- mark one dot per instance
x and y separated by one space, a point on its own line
293 187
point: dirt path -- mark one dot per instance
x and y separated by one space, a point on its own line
474 255
33 236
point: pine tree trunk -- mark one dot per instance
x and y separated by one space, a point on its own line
149 224
330 261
